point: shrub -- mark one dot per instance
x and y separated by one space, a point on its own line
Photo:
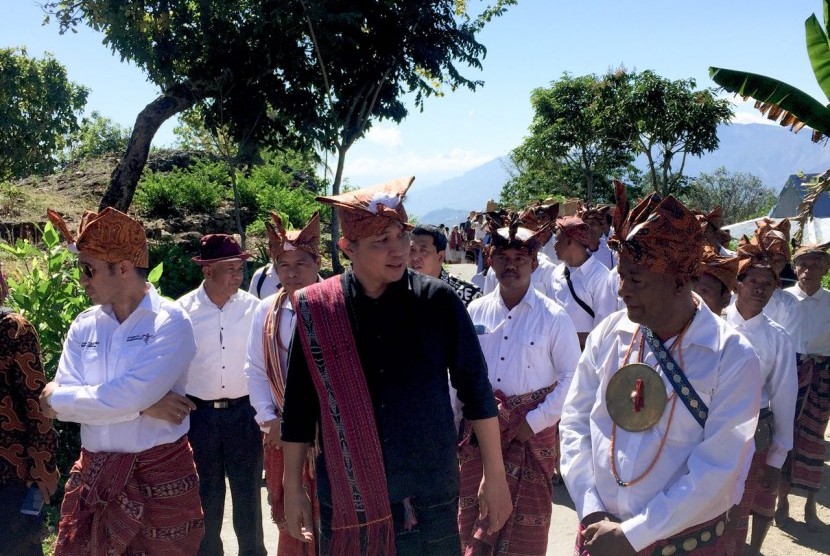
181 274
199 188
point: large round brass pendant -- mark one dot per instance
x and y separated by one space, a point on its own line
636 397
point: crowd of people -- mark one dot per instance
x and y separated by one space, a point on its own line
677 388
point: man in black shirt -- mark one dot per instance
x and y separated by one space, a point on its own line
408 331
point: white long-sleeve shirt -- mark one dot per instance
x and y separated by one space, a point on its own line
527 348
811 332
264 286
541 278
694 478
590 282
604 254
216 371
783 309
262 397
780 377
110 371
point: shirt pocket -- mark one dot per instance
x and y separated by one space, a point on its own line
532 357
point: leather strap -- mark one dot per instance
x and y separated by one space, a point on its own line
581 303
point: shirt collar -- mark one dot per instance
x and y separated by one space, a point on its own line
699 331
801 294
203 299
529 298
150 302
735 318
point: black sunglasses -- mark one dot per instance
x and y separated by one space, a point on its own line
86 269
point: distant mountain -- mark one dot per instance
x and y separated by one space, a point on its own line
770 152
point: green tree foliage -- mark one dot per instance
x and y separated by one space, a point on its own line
97 135
742 196
578 136
672 121
38 109
198 188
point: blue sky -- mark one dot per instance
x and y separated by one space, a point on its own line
530 46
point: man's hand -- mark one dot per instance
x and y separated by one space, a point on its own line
47 489
494 501
272 437
605 538
172 408
46 400
524 433
298 514
772 476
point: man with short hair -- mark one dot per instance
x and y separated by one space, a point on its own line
811 334
717 278
661 413
531 349
297 260
28 441
580 282
774 436
427 249
223 433
135 488
372 350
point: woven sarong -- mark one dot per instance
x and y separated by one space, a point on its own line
758 500
529 467
806 461
362 520
144 503
706 539
274 468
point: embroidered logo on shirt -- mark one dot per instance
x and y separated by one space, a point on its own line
89 345
143 337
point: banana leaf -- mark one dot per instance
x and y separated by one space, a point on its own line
777 100
818 50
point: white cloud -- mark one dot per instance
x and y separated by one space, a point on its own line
365 170
389 137
746 113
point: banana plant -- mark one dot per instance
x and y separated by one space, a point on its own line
788 105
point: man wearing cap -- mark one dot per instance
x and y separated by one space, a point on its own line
580 282
297 260
774 435
531 349
812 338
27 440
774 238
661 413
596 218
135 488
427 249
713 236
225 437
372 349
717 278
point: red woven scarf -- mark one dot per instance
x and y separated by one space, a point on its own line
362 520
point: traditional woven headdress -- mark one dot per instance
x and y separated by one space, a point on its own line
753 254
307 239
508 233
576 229
109 235
660 234
534 217
369 211
813 249
724 269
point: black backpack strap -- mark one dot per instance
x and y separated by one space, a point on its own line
573 293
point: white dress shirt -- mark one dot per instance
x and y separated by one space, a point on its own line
259 388
782 308
549 251
779 374
590 282
694 478
812 328
221 340
614 286
109 372
541 278
527 348
270 284
604 254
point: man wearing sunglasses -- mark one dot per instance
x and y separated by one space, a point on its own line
134 488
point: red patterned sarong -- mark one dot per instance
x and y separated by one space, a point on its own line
806 461
144 503
706 539
274 467
529 467
758 499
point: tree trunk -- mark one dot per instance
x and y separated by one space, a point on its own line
335 218
124 179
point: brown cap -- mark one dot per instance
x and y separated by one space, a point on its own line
576 229
660 234
369 211
109 235
813 249
215 248
307 239
724 269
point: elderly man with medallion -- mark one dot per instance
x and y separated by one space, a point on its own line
296 256
661 414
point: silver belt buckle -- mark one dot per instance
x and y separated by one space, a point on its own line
221 405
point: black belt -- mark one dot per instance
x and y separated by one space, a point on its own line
223 403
